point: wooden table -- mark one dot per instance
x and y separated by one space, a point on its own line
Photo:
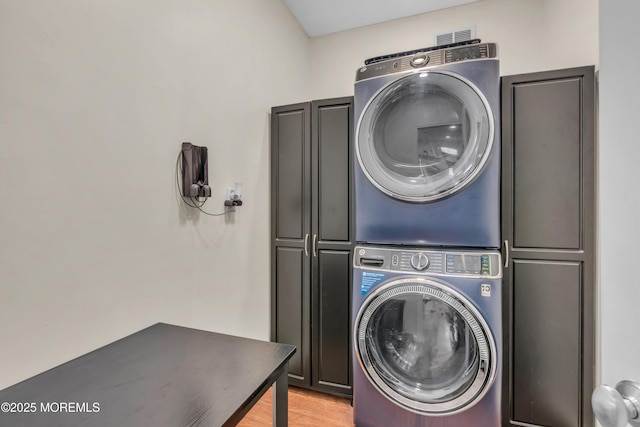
164 375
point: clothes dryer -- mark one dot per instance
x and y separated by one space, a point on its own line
427 332
428 149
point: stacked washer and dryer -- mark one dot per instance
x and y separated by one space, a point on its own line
427 322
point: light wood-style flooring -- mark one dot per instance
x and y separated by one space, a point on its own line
306 409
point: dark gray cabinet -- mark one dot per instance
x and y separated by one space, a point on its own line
312 240
548 209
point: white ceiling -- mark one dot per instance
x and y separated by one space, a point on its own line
320 17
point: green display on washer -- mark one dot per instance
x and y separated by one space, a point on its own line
469 264
485 265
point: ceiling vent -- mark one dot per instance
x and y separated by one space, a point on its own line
454 36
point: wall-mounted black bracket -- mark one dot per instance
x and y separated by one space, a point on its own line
195 175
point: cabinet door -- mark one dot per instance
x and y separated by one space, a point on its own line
291 235
332 244
548 196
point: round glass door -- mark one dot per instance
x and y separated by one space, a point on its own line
424 348
425 136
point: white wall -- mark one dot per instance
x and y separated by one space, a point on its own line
619 195
95 100
532 35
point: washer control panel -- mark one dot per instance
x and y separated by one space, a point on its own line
467 263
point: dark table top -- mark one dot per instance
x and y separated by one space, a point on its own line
164 375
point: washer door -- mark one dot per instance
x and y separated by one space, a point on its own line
425 347
425 136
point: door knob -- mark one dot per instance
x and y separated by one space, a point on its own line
617 407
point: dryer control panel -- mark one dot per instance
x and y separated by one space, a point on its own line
426 59
465 263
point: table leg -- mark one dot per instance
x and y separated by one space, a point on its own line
281 399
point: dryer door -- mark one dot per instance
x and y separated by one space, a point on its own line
425 136
425 347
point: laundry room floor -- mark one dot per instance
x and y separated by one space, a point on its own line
306 408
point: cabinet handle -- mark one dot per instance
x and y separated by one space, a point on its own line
306 244
315 241
506 253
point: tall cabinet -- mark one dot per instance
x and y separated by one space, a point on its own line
312 240
548 210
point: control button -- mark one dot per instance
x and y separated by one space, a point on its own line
394 260
485 265
419 261
420 60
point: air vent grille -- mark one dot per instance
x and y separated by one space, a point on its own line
446 38
454 36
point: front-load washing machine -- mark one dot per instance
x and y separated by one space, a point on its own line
428 149
427 333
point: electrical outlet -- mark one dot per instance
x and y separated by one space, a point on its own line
231 195
234 198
